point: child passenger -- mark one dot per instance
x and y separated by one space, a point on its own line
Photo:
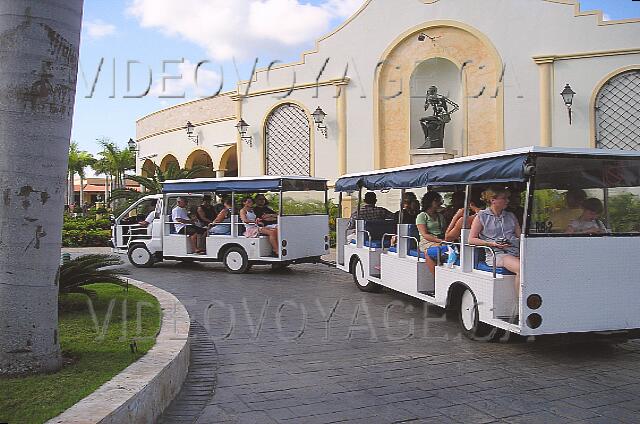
588 222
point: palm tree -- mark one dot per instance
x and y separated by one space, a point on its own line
78 161
101 167
38 68
153 183
116 161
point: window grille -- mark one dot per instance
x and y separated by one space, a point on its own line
288 142
618 113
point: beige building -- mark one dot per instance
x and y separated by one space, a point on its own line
504 63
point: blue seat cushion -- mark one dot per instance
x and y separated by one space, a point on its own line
482 266
374 244
433 252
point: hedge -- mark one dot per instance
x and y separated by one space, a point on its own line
85 232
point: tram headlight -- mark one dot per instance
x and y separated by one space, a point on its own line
284 252
534 301
326 239
534 321
284 243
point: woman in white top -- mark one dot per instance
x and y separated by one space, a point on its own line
252 229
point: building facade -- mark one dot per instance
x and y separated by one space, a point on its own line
504 63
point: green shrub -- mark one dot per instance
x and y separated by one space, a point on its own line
85 238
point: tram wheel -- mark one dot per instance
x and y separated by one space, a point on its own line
359 277
140 257
469 319
236 261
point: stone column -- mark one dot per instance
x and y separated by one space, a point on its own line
545 69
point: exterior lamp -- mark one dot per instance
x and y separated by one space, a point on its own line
190 132
133 146
318 118
242 128
567 95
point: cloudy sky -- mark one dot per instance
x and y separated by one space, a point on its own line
128 40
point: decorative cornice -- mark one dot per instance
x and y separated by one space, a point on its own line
196 124
583 55
335 81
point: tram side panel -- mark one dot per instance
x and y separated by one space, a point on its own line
585 284
304 236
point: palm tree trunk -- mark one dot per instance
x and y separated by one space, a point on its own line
106 190
71 189
81 190
38 67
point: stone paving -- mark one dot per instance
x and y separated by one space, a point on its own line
305 346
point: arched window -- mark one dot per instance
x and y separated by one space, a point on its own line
288 142
618 112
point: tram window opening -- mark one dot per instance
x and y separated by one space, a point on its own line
586 197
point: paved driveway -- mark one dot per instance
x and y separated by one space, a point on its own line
305 346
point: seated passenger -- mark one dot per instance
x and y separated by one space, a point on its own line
560 219
221 225
457 203
588 222
410 209
249 218
150 217
498 228
206 211
431 226
368 212
185 225
515 205
476 204
265 214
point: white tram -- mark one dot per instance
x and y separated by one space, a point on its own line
569 283
303 224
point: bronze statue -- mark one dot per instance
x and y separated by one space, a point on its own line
433 126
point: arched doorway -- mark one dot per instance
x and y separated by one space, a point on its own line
148 168
617 109
288 141
229 162
201 158
168 162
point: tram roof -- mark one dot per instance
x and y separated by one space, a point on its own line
487 168
245 184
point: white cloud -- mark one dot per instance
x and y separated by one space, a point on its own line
241 28
99 29
207 83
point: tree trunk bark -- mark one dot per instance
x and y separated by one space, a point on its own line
38 66
81 191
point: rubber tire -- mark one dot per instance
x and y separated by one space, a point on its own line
140 247
478 331
357 271
244 264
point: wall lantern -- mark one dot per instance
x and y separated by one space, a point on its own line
191 132
243 128
133 146
318 118
567 95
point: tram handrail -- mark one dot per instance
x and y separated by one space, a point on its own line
368 236
384 236
493 252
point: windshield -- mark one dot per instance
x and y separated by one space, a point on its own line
586 196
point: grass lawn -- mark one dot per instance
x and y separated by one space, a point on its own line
94 352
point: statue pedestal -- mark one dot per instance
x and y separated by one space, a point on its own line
431 155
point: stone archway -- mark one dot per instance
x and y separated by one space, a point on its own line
481 94
148 168
201 158
229 162
169 161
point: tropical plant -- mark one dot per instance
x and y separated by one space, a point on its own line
79 160
152 184
37 90
116 161
90 269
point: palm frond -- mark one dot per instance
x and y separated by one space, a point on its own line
90 269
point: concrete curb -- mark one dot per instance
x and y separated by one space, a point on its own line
145 388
